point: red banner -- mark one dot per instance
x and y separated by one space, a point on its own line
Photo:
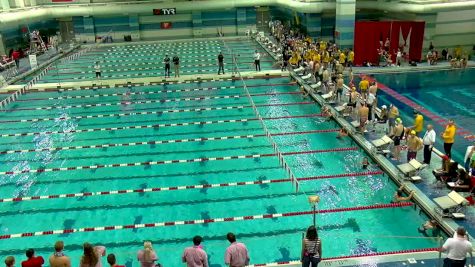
165 25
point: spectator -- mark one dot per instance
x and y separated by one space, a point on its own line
16 57
457 248
195 256
176 64
311 248
418 123
414 144
112 261
236 254
9 261
92 256
428 141
58 259
449 137
147 255
220 63
32 261
468 156
463 181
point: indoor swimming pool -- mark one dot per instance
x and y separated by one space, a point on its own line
117 166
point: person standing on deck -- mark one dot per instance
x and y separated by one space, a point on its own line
97 69
414 144
220 63
166 61
418 123
449 137
363 113
195 256
236 254
176 63
457 248
257 60
392 115
429 141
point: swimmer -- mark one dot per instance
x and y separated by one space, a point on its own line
428 225
326 112
365 163
339 87
342 133
397 198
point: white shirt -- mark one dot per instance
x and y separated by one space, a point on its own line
467 153
370 99
257 56
429 137
97 68
457 248
399 54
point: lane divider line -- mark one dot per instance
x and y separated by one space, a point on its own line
174 161
203 221
186 187
151 101
149 92
201 139
160 112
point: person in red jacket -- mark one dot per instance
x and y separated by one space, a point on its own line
16 56
32 261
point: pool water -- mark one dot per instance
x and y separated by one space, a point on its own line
50 139
447 93
144 60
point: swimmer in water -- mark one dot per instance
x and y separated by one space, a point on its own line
365 163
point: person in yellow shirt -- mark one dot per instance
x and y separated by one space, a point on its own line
351 58
449 137
364 85
317 57
418 123
342 58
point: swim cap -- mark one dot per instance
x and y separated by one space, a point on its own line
398 120
384 106
413 132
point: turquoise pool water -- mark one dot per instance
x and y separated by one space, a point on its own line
446 93
137 60
269 240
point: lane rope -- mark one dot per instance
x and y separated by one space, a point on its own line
173 161
158 142
203 221
160 112
185 187
150 101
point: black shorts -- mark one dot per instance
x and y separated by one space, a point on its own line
352 105
397 140
98 74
